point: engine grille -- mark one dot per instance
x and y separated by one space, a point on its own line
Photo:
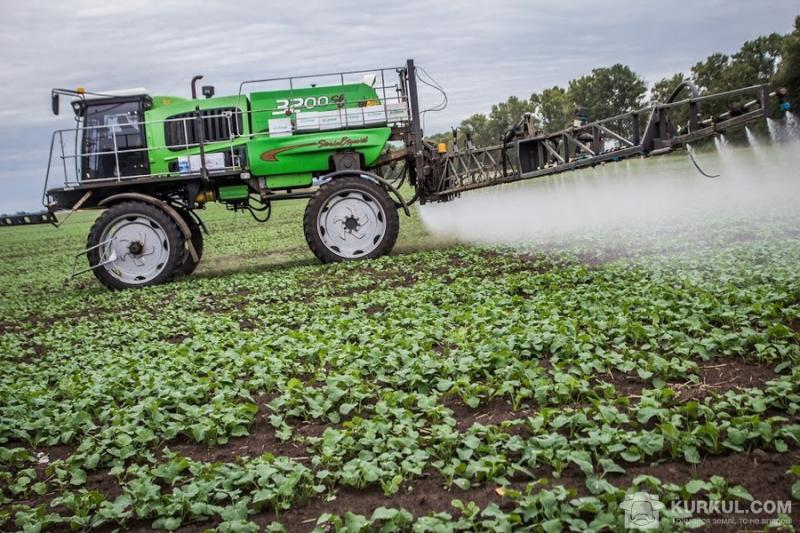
179 133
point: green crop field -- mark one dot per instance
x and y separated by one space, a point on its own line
444 388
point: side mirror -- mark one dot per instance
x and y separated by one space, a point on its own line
208 91
54 100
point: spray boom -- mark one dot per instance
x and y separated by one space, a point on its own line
526 154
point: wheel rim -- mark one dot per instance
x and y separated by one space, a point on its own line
352 223
134 249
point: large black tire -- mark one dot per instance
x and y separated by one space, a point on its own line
142 233
350 218
189 265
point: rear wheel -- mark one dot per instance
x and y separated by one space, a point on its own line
135 244
350 218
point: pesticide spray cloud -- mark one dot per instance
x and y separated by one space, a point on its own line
634 195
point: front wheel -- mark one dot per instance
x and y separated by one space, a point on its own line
135 244
350 218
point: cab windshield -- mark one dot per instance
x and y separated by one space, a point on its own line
113 140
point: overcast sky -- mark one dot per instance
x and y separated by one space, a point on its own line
481 52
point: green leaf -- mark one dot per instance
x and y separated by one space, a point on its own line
171 524
610 467
122 501
631 455
77 476
737 436
462 483
383 513
91 461
355 522
346 407
444 385
263 495
740 492
472 442
552 526
599 486
796 490
696 485
239 430
691 455
583 461
758 404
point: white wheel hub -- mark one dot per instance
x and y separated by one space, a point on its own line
352 223
134 249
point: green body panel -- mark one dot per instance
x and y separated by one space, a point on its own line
234 192
311 152
165 107
288 181
282 104
288 161
161 102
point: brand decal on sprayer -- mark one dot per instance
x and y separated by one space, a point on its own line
342 142
287 106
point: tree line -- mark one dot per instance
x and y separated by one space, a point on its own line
608 91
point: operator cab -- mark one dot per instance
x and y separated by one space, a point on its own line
113 141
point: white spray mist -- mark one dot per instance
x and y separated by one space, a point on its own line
631 195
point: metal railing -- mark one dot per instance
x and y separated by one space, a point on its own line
73 172
393 106
391 109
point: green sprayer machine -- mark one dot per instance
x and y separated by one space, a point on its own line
346 141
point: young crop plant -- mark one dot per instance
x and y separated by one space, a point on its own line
444 388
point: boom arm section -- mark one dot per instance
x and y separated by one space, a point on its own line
523 154
28 219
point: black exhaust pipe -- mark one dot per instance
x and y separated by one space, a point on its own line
194 85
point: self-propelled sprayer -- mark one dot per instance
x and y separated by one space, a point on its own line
345 141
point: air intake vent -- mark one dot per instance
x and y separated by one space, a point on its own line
180 132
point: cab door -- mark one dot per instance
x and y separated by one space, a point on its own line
114 143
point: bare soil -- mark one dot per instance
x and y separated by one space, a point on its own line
722 375
493 411
261 439
626 384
